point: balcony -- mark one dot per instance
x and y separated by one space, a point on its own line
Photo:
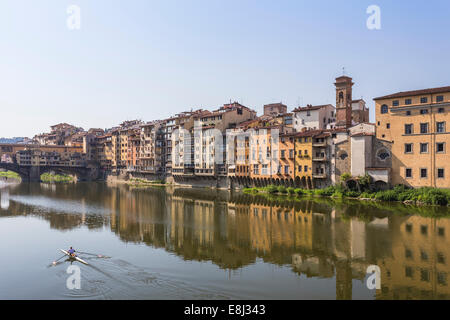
319 144
320 158
319 176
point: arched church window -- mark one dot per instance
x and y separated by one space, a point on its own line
343 155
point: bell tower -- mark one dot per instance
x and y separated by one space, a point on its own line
344 86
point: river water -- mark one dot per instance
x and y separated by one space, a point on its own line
165 243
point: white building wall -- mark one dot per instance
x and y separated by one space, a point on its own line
359 157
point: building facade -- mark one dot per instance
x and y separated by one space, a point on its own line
416 122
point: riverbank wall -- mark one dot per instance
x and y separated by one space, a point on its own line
218 182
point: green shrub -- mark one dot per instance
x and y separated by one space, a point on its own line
353 194
327 192
345 176
291 190
388 195
10 175
365 182
272 189
338 194
299 191
367 195
59 178
282 189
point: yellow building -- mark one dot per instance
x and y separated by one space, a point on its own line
416 123
303 158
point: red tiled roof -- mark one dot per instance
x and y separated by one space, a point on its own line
309 133
362 134
415 93
310 108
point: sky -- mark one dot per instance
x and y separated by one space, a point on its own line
148 60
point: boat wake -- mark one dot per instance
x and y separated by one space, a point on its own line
118 279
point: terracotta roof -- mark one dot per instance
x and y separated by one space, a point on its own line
275 105
415 93
310 133
362 134
310 108
334 130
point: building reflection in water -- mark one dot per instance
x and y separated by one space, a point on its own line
320 238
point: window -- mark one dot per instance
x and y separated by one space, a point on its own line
409 272
423 111
299 168
440 173
305 169
395 103
423 173
441 231
440 147
408 113
388 125
408 147
264 169
440 258
440 127
408 173
441 110
408 101
442 278
308 113
384 109
424 148
408 228
384 154
439 98
286 169
424 230
408 253
423 100
408 128
424 128
424 275
282 154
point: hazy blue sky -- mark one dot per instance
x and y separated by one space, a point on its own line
150 59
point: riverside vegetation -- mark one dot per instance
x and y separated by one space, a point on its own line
136 182
400 193
9 175
56 178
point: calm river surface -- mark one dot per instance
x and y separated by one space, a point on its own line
168 243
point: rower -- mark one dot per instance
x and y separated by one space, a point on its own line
71 251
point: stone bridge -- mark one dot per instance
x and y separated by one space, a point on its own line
33 173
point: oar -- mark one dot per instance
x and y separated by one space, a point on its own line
54 262
93 254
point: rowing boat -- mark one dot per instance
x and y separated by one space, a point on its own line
72 257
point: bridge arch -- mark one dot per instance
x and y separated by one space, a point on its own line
33 173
